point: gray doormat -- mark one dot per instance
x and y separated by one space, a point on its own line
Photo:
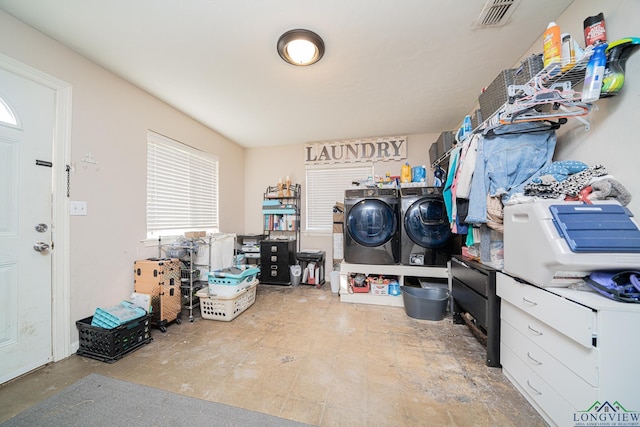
100 401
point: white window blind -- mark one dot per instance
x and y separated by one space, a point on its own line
325 187
182 188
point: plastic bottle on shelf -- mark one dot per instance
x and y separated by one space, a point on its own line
551 44
594 74
465 130
419 174
405 173
595 30
568 54
467 125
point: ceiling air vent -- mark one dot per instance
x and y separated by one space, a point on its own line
496 13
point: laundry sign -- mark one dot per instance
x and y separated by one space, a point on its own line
360 150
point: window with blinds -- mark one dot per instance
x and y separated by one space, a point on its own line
325 187
182 188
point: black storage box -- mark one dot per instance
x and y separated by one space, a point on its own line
109 345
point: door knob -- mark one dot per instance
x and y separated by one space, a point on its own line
41 247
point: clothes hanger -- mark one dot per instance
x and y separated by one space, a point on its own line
530 102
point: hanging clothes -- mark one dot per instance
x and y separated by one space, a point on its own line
507 158
466 169
463 181
446 191
459 207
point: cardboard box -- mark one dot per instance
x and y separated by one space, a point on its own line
195 234
338 248
338 213
379 289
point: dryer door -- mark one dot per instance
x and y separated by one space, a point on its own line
371 222
426 223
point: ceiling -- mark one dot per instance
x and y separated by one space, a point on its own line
391 67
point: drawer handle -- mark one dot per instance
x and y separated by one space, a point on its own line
533 360
529 301
538 333
533 388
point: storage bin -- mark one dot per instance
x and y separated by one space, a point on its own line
425 303
476 118
229 281
433 152
111 317
226 308
357 283
495 95
379 289
529 67
109 345
445 142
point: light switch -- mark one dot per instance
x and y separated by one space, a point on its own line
78 208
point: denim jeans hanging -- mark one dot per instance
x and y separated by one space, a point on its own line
508 157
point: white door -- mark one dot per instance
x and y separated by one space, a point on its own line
25 225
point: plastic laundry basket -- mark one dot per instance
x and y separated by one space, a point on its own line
425 303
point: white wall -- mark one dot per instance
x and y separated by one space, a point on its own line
110 120
612 140
264 166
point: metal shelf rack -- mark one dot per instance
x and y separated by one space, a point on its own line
550 75
190 274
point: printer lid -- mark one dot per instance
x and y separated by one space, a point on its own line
596 228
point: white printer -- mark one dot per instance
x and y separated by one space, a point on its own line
554 243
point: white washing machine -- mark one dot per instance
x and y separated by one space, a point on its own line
371 226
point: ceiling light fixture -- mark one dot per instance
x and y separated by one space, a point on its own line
300 47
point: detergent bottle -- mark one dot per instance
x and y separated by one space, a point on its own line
419 174
594 74
405 173
551 44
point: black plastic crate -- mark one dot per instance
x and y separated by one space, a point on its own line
109 345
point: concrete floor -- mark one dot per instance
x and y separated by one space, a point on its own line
299 353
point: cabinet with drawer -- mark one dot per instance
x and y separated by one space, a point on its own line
563 349
276 256
473 289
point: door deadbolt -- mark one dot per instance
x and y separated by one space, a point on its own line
41 228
